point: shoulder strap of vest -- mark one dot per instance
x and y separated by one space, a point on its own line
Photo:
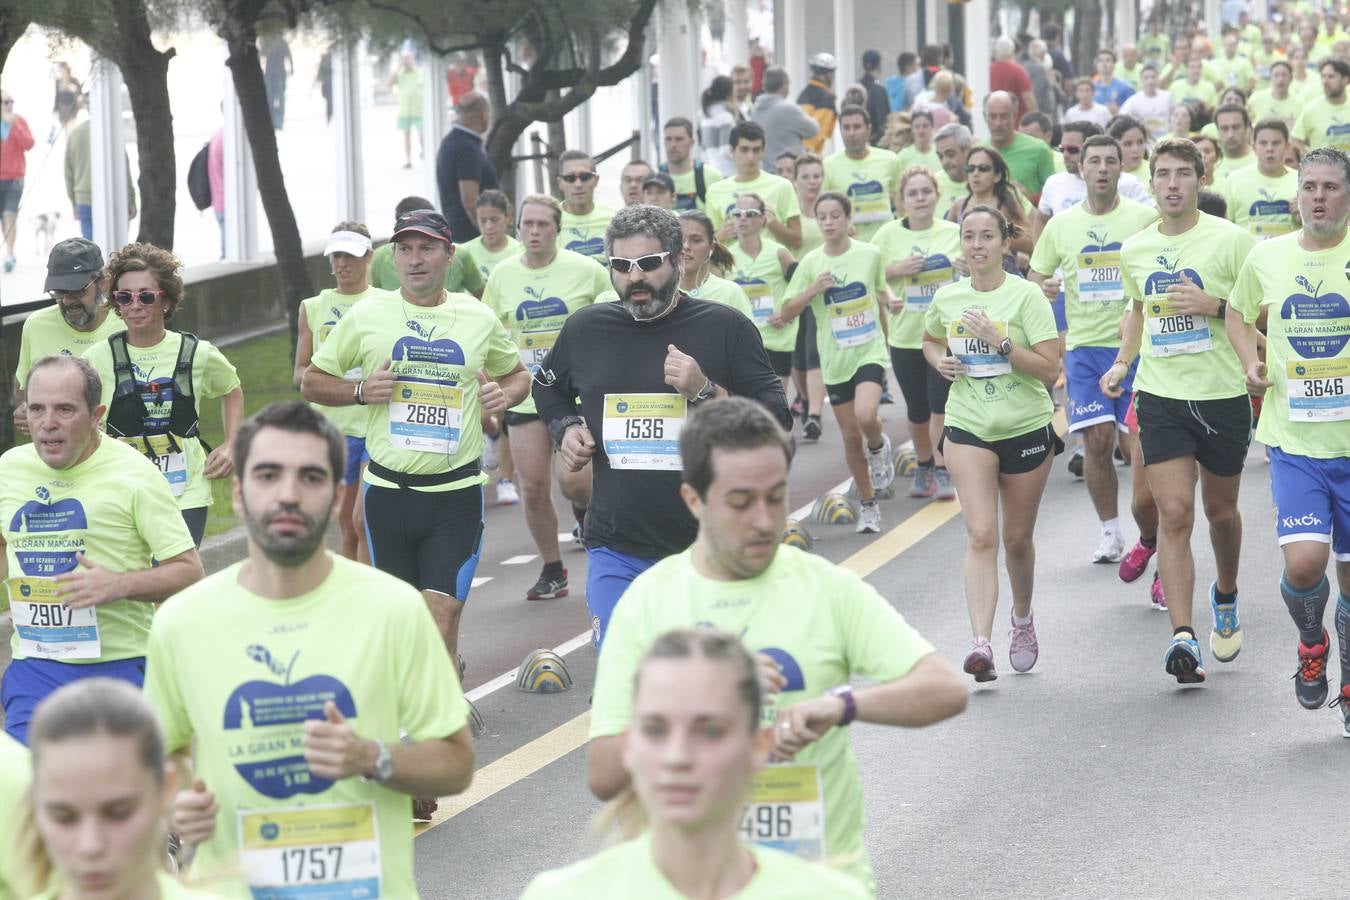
124 377
182 367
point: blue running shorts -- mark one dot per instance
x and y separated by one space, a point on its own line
1083 371
29 681
1312 500
608 574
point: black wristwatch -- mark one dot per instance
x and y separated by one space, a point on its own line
559 428
1223 309
1005 347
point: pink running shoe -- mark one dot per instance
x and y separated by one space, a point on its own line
1023 648
980 661
1155 593
1136 561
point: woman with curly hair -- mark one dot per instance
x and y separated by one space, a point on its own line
155 380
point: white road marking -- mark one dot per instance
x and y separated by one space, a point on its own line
478 582
519 560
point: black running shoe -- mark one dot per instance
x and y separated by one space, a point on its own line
1310 682
1075 466
548 587
811 430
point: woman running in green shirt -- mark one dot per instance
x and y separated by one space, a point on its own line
761 266
1004 355
703 255
692 752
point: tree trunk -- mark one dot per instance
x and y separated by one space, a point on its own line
249 87
499 150
12 27
146 73
1087 27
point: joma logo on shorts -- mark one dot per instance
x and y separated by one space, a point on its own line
1294 521
1032 451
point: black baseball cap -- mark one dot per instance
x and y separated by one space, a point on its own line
72 264
661 180
425 221
871 59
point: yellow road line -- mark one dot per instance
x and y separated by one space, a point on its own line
515 766
530 758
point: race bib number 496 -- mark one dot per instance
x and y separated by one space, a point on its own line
786 811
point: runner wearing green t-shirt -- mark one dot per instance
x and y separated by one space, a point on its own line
691 176
407 83
93 823
808 174
1325 120
533 295
493 213
701 255
1264 199
1276 101
434 363
91 540
1235 142
994 337
739 578
1190 397
921 152
760 266
866 175
844 283
747 151
302 746
1295 288
921 254
154 388
14 780
698 695
348 251
461 276
583 220
1083 243
71 325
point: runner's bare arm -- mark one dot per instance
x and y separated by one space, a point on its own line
304 350
605 774
515 385
91 584
436 767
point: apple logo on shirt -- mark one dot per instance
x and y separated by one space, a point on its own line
1319 337
843 292
1268 205
41 557
586 246
1101 246
264 725
791 669
864 187
422 356
1159 282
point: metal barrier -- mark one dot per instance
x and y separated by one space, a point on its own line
542 154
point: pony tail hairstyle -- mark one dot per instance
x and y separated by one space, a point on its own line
720 257
625 813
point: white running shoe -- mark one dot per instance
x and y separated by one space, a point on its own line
869 518
881 465
1111 548
507 495
491 459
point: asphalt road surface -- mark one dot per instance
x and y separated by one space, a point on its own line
1094 775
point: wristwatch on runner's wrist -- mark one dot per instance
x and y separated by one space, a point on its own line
708 391
1005 347
845 693
384 767
559 428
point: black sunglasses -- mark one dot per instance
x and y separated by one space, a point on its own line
583 177
1069 149
146 297
979 167
649 263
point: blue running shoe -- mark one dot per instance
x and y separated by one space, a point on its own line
1184 661
1225 641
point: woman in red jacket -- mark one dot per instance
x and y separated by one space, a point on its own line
15 141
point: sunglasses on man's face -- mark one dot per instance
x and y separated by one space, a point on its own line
146 297
649 263
979 167
1069 149
574 177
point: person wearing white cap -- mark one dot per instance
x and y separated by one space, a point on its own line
817 101
349 253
